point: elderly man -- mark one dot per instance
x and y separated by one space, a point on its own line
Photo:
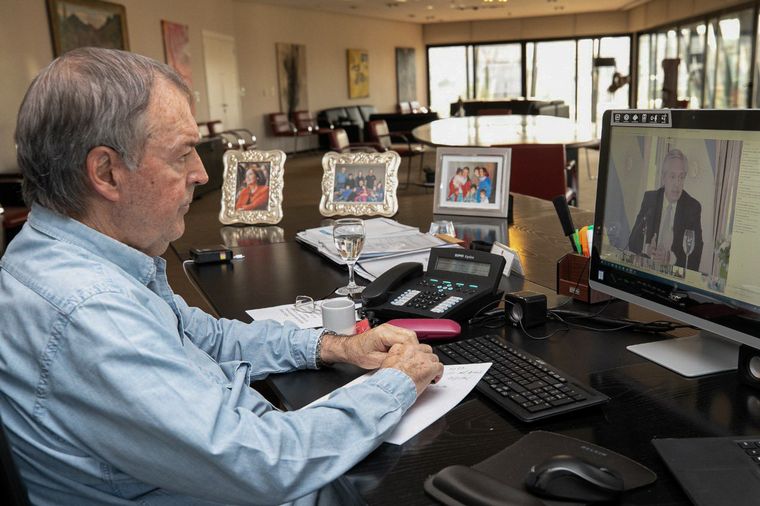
665 216
113 390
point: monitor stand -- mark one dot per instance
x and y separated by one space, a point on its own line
698 355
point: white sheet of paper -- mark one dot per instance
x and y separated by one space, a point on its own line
437 400
288 312
511 256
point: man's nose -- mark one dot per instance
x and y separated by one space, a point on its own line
198 174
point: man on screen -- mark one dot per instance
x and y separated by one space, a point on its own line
669 221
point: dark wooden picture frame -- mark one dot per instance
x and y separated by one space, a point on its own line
79 23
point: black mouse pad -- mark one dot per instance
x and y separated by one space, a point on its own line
512 464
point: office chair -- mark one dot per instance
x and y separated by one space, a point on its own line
541 170
10 479
379 134
338 141
282 127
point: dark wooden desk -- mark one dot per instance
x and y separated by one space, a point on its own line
647 400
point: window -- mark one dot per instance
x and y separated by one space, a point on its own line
551 71
498 71
579 72
447 71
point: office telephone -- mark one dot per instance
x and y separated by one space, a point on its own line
457 284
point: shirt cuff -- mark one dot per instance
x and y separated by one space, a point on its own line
397 384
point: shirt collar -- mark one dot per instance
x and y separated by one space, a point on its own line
66 229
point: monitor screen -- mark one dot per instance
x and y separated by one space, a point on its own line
677 223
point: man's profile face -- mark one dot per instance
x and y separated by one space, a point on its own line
673 177
158 193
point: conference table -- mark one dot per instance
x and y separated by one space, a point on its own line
500 130
647 400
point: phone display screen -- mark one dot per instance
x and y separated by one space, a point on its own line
462 266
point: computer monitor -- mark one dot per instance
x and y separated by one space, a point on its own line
677 228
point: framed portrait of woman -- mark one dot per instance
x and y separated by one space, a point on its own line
359 184
252 187
472 181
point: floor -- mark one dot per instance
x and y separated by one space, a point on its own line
303 174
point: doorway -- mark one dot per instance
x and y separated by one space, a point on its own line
222 82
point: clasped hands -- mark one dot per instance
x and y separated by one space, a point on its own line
659 254
386 346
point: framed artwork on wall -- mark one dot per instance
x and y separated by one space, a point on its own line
177 49
291 77
406 74
79 23
252 188
359 184
472 181
358 73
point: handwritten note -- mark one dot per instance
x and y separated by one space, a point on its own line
435 401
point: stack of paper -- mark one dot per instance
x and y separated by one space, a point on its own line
385 238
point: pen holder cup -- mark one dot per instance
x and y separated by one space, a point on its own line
572 279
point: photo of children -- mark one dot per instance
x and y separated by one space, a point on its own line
471 186
359 183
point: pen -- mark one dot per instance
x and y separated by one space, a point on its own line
576 242
563 213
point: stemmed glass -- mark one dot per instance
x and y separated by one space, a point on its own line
348 234
688 244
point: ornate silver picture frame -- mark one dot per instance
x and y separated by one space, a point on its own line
252 187
359 184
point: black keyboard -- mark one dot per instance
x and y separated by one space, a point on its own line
525 386
752 449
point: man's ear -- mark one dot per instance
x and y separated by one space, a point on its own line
105 170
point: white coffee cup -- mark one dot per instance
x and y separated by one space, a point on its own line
339 316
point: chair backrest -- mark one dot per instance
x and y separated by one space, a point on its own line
304 120
338 139
280 124
10 479
379 133
538 170
404 108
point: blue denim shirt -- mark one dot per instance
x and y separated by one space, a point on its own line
114 391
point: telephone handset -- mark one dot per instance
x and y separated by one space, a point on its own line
456 285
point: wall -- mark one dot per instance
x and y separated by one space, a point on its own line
27 48
647 15
326 37
545 27
660 12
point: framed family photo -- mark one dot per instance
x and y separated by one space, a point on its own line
359 184
472 181
252 187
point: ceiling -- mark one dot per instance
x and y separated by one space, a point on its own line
435 11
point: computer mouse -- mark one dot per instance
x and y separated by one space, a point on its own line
462 485
572 478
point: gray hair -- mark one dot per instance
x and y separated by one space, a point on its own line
86 98
673 154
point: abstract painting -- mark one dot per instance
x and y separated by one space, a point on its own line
291 77
79 23
406 74
177 49
358 73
